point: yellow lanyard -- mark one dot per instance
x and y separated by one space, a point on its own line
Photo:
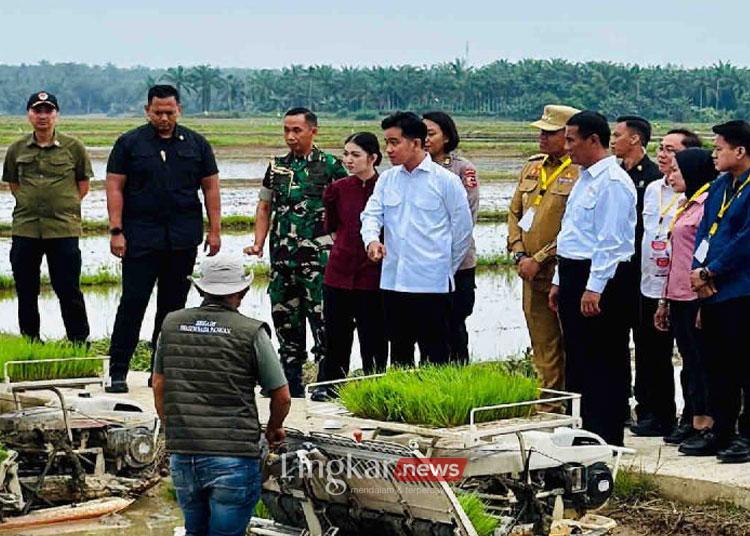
724 207
665 210
546 182
682 209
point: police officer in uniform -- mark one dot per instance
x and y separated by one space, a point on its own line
154 173
290 206
536 211
49 175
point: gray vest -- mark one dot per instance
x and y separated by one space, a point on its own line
210 371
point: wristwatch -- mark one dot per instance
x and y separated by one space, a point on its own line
703 274
115 231
518 255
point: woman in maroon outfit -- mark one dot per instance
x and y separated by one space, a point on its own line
351 285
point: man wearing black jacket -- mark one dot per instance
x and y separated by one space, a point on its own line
629 143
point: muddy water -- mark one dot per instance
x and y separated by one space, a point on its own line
152 515
254 168
496 327
242 200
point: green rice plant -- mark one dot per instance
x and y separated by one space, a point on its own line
499 216
261 510
15 348
495 261
440 396
6 282
476 510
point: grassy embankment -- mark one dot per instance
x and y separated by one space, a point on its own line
263 134
104 277
236 224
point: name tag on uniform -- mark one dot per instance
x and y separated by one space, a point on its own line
702 251
528 220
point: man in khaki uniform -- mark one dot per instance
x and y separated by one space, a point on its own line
536 212
48 174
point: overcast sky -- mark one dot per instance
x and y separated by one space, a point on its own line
276 33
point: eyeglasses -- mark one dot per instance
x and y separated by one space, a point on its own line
667 149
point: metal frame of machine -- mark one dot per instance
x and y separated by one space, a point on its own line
541 460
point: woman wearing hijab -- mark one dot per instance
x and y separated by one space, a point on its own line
691 174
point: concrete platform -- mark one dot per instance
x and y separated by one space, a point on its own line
688 479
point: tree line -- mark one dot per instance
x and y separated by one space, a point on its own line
502 89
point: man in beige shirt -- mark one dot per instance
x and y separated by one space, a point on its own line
536 212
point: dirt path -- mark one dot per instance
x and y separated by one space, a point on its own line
656 516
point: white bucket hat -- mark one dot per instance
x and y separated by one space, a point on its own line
222 275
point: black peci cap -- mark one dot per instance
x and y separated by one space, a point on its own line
42 97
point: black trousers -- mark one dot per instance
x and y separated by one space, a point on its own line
343 310
691 344
417 318
170 270
725 327
654 372
462 305
64 262
597 356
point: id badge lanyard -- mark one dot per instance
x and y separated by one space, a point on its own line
681 210
659 247
702 250
663 211
724 207
544 183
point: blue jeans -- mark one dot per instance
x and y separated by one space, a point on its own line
217 494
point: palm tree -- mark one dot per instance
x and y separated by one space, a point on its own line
234 90
179 77
205 78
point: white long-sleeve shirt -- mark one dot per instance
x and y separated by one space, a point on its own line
599 222
660 203
427 224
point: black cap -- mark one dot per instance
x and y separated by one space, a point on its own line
736 132
42 97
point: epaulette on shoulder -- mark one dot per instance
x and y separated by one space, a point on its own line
540 156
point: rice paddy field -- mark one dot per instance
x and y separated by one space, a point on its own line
243 147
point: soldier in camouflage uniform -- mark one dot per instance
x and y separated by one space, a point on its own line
290 206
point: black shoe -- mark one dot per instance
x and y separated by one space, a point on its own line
682 432
705 443
322 394
738 451
117 386
651 427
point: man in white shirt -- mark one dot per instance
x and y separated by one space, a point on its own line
654 374
424 213
589 289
